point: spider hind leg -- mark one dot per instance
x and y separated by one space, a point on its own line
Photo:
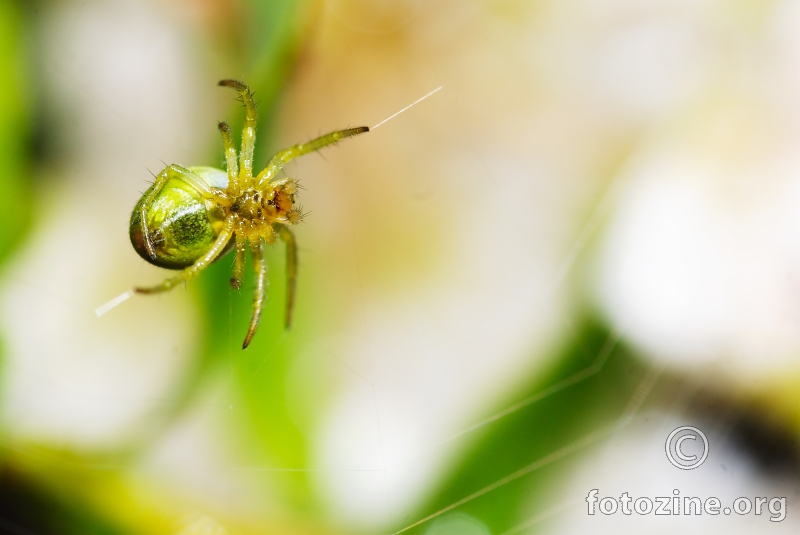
239 260
200 264
287 236
260 266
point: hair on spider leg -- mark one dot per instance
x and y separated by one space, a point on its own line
240 98
148 182
296 215
303 213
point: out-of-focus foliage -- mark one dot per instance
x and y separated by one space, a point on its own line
26 506
17 94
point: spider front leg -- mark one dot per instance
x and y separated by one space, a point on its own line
249 129
283 157
260 266
234 183
287 236
199 265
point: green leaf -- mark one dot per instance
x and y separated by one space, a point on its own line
16 97
558 417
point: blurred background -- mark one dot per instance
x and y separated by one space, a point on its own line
509 295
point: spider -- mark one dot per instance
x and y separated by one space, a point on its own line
192 216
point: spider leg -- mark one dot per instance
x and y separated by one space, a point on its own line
194 180
260 266
249 130
287 236
234 185
239 259
281 158
158 185
199 265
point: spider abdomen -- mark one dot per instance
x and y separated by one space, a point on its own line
179 226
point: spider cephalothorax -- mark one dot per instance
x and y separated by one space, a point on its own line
191 216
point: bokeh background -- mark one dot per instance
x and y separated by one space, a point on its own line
509 295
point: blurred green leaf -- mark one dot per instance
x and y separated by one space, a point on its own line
16 97
595 394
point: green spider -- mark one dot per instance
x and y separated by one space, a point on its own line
192 216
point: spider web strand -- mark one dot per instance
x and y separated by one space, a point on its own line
407 107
